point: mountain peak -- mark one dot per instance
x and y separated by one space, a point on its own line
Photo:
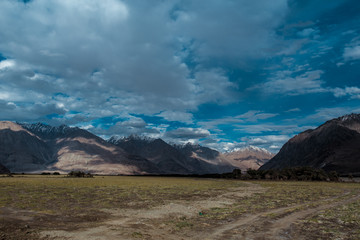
10 125
133 137
251 148
349 117
47 131
333 145
351 121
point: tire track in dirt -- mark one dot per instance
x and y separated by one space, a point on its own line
125 221
281 227
277 229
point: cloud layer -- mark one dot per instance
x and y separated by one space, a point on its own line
223 73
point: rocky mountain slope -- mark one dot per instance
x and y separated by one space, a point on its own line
335 145
21 150
248 157
39 147
174 159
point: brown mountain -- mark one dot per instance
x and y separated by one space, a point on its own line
204 158
39 147
21 150
173 159
248 157
335 145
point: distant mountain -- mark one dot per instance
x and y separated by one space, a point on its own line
204 158
21 150
173 159
335 145
248 157
49 132
164 156
39 147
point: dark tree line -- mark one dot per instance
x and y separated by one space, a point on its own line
80 174
295 173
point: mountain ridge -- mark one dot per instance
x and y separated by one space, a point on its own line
65 149
173 159
333 145
248 157
41 147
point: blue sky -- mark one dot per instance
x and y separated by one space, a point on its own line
224 74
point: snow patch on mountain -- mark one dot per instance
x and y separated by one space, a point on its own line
252 149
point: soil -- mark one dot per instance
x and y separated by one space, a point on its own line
258 227
158 222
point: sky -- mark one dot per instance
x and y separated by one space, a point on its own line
224 74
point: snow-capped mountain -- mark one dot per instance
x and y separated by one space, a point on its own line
173 159
49 132
39 147
251 148
248 157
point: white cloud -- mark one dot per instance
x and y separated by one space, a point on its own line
284 82
266 128
126 127
266 140
352 53
116 57
187 133
275 147
352 92
240 30
212 85
294 110
6 64
307 32
252 116
324 114
177 116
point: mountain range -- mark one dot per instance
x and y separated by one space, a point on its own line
40 147
333 146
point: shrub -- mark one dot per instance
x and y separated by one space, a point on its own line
80 174
295 173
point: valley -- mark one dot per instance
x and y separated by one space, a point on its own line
33 148
115 204
115 207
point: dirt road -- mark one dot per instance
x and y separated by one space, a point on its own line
279 226
239 213
153 223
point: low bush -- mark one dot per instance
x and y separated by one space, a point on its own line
80 174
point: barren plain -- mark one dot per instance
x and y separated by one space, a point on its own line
120 207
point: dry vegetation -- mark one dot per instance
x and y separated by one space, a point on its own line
55 207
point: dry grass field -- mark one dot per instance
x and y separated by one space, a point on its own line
116 207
